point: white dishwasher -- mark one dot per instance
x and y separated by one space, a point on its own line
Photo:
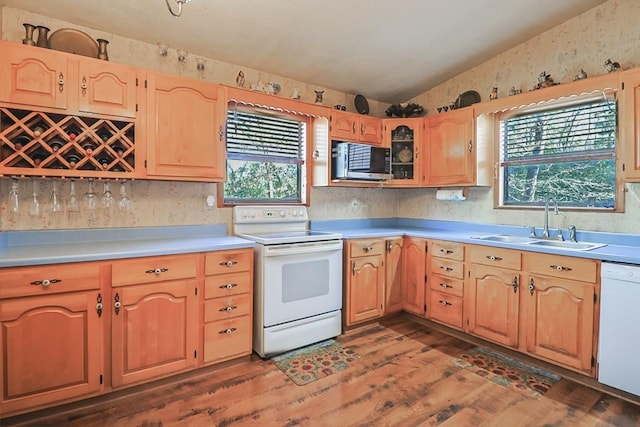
619 343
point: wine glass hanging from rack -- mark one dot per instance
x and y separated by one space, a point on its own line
41 143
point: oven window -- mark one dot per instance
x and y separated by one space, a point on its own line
305 280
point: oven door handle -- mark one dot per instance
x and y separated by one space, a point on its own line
302 248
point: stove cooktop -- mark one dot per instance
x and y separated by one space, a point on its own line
276 238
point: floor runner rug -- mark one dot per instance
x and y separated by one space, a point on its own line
506 371
316 361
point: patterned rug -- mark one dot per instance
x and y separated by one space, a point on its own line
316 361
508 372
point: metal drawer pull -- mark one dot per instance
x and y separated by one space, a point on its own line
228 308
46 282
444 285
493 258
446 251
157 271
228 286
444 302
368 248
560 268
445 268
61 82
227 331
228 263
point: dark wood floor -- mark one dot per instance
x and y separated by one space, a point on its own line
405 377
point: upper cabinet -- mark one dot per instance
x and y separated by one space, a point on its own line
629 122
346 126
185 128
404 138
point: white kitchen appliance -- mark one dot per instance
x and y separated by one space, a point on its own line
297 278
619 341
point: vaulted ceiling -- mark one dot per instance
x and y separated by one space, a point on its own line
389 51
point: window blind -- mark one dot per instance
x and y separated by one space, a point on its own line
578 132
264 138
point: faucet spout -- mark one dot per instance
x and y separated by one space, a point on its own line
545 230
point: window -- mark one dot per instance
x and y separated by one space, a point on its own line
265 158
567 153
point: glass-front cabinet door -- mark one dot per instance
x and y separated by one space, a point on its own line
403 137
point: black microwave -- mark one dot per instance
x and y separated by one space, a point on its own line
360 162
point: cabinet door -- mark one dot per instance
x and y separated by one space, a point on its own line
343 126
155 330
414 263
629 122
560 317
33 77
185 128
365 288
450 148
404 138
492 300
51 348
393 273
106 88
370 130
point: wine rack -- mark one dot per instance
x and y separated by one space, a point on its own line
39 143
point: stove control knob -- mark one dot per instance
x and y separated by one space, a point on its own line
282 214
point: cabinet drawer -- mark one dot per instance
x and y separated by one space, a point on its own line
152 269
446 308
358 248
495 257
227 307
585 270
445 267
226 339
447 285
228 261
450 250
227 284
40 280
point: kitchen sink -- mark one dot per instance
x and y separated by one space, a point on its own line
561 244
505 238
576 246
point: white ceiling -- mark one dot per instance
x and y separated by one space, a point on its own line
389 51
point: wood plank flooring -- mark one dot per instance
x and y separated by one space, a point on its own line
405 377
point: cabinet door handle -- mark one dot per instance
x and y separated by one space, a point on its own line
228 308
470 146
228 286
515 284
367 249
442 302
446 251
116 303
221 134
445 286
493 258
83 86
157 271
354 128
389 246
99 305
61 82
560 268
228 263
361 128
316 154
45 283
531 286
445 268
227 331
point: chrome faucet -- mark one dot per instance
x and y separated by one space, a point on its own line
545 230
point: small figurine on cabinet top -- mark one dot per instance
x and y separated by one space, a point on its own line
295 94
240 78
514 91
611 66
544 80
581 75
494 93
319 94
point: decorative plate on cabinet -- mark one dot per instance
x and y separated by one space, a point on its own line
467 98
73 41
362 105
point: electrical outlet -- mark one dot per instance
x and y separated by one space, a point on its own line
210 201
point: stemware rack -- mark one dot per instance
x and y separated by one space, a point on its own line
52 144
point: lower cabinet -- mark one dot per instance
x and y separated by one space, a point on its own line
413 261
364 279
51 335
446 286
394 275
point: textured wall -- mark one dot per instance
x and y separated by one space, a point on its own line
608 31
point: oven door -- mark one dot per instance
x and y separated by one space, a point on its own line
300 280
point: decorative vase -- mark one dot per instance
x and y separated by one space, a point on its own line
43 33
102 49
28 40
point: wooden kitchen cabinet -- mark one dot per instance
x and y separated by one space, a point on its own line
629 122
394 275
364 279
494 276
404 137
449 153
559 303
346 126
185 130
51 335
155 318
228 305
445 290
414 275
